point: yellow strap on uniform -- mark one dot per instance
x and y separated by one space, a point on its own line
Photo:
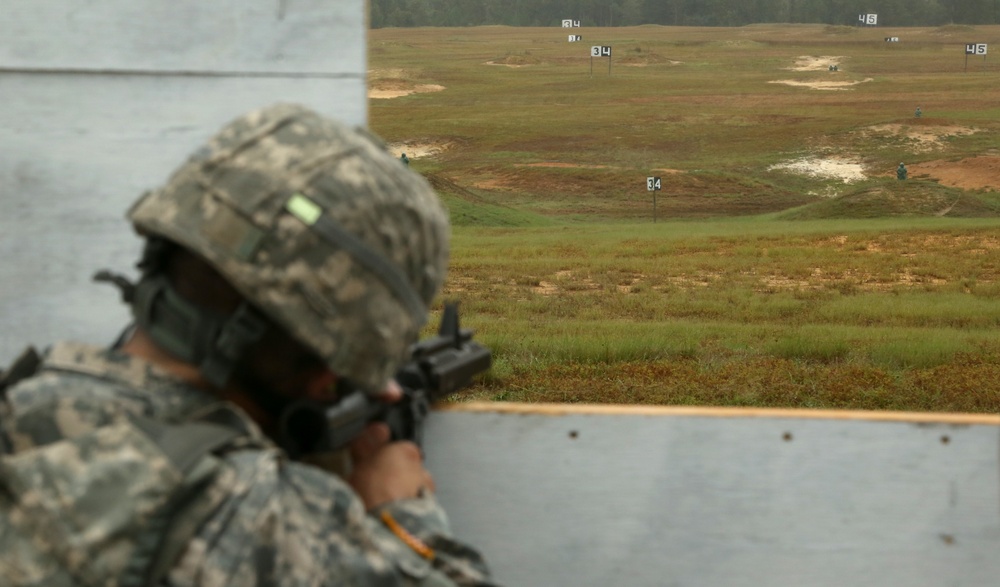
410 540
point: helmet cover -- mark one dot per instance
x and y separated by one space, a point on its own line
319 227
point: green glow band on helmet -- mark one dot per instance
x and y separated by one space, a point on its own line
311 214
304 209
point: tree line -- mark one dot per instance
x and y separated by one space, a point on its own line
460 13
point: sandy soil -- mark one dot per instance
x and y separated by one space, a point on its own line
418 149
812 63
820 85
974 173
549 288
509 64
516 61
392 83
844 169
818 63
646 63
557 164
568 282
386 91
925 137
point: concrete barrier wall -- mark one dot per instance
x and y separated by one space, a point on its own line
300 38
592 496
102 100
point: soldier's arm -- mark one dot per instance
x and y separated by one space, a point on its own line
286 523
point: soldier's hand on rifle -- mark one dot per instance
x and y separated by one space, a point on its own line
385 471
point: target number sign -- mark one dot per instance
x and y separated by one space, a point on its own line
653 184
976 49
870 19
600 51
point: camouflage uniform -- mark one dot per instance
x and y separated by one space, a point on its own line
261 520
322 231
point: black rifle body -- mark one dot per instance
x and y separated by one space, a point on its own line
438 367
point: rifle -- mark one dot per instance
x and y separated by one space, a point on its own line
438 367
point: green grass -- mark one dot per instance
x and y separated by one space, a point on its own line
755 286
723 302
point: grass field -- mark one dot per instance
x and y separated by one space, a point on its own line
782 265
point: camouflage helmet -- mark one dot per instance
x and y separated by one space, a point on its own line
319 227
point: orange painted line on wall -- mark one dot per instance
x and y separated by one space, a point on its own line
548 409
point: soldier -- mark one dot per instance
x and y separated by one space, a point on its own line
918 113
286 257
901 171
404 159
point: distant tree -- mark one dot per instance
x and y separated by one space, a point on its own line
375 18
629 13
386 13
754 11
659 11
976 12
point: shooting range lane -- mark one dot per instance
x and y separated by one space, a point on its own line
104 100
600 495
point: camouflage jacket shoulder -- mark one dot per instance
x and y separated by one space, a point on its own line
263 520
79 387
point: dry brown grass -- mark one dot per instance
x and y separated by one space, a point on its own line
761 283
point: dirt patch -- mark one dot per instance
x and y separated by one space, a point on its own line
863 281
508 64
820 85
387 90
644 59
813 63
980 244
546 288
565 282
844 169
459 283
515 61
562 165
386 73
925 137
418 149
490 184
393 83
974 173
818 63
